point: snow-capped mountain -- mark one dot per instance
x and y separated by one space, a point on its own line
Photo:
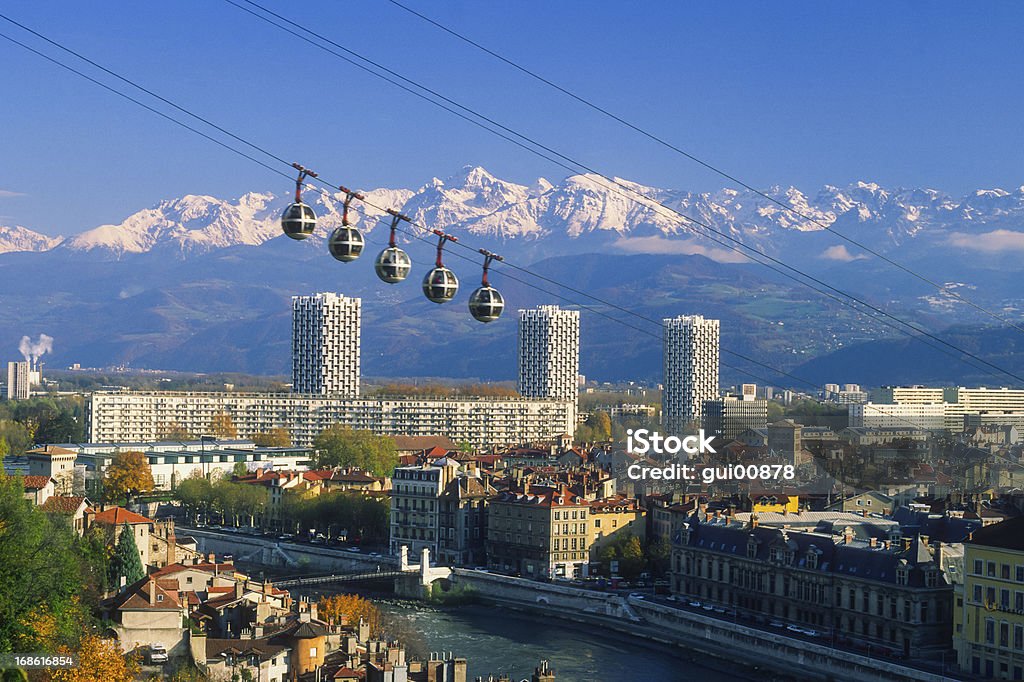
13 239
617 213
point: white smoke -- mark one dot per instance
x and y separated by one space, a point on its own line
33 350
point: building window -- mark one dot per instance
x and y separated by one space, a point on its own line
991 569
979 567
1004 571
990 631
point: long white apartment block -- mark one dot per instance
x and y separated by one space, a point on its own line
928 416
118 416
691 359
325 344
549 354
958 402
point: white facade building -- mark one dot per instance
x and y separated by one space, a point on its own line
325 344
927 416
18 380
691 369
119 416
549 355
985 405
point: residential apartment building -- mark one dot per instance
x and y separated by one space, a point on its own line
549 355
960 403
122 416
325 345
892 595
416 505
989 619
731 415
927 416
691 352
539 531
463 521
18 380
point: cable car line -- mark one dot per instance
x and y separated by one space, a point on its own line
524 270
708 165
416 236
623 188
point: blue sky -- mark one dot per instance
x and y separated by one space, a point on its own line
903 94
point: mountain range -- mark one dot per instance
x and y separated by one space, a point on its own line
201 283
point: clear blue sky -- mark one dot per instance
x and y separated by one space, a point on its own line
903 94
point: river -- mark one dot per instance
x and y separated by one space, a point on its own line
495 640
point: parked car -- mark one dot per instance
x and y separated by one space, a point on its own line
157 654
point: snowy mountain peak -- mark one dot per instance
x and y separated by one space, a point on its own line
17 238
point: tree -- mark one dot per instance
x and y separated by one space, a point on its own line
240 469
348 609
98 659
126 563
342 446
43 576
632 557
196 493
223 426
173 431
275 438
128 475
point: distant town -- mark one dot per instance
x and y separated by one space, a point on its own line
244 533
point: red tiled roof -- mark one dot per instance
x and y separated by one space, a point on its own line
63 504
136 596
115 516
35 482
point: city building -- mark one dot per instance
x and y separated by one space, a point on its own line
928 416
126 416
325 345
989 619
549 355
894 596
463 521
171 462
416 504
539 531
960 404
18 380
785 439
731 415
690 369
55 462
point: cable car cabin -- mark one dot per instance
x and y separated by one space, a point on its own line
486 304
298 220
440 285
345 243
393 265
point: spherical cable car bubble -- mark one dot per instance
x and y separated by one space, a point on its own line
346 242
440 284
298 220
486 303
393 264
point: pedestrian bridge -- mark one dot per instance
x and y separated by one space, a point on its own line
425 573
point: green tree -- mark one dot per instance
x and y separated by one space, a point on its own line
126 563
632 557
43 576
240 469
342 446
196 493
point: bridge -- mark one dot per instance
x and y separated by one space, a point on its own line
410 579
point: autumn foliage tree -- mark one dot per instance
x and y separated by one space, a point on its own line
98 659
275 438
128 475
223 426
348 609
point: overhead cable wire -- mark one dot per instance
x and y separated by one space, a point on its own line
283 161
413 234
830 227
623 188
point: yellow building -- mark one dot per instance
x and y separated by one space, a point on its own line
775 502
988 626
